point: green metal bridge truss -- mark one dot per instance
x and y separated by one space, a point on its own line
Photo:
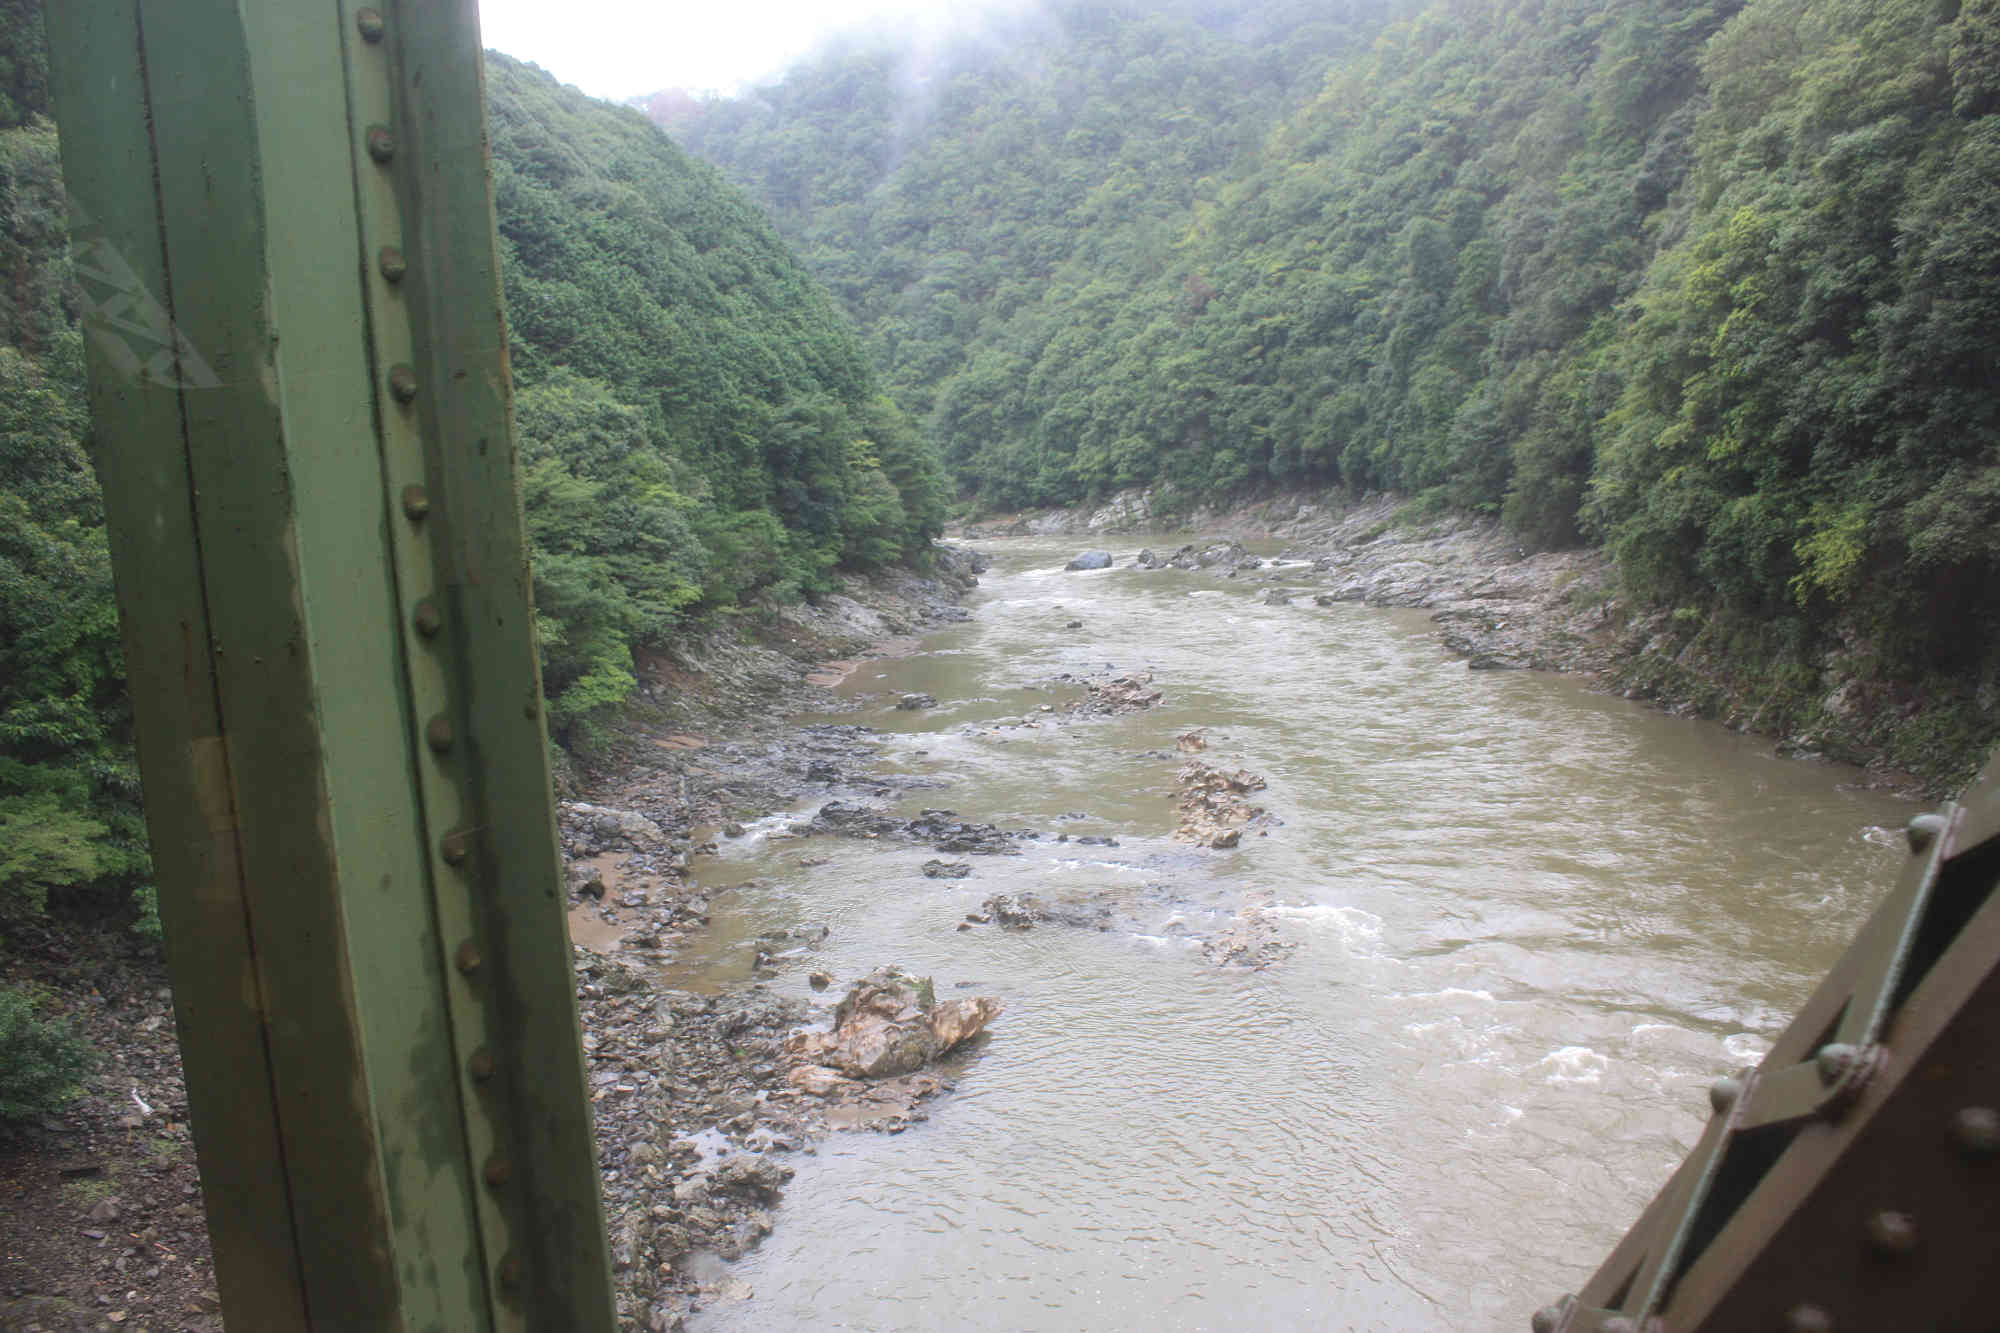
283 231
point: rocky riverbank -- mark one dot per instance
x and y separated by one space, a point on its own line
700 1099
1501 606
101 1219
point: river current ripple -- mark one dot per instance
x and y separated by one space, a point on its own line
1532 924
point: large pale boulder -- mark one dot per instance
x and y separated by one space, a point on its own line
889 1023
1091 560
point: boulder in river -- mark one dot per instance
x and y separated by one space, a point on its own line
1225 557
947 869
1090 560
1213 811
913 702
1147 560
942 829
1013 913
890 1023
1123 694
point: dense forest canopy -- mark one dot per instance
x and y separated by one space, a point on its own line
699 428
1711 283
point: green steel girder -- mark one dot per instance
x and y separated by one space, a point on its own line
283 233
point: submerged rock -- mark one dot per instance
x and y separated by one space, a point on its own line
1091 560
947 869
914 702
1122 694
1012 913
940 828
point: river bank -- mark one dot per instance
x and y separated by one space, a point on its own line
1501 606
101 1213
698 1108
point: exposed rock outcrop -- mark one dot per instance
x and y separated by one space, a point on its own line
888 1024
1213 811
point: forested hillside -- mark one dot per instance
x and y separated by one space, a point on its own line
699 428
1712 284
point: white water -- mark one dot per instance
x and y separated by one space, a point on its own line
1532 924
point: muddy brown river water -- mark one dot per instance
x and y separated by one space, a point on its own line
1532 923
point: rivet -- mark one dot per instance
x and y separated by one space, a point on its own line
416 502
427 618
454 848
1893 1234
381 143
482 1064
469 958
1546 1320
1722 1094
403 384
1833 1061
498 1171
1977 1129
437 731
510 1270
392 263
369 21
1922 831
1806 1318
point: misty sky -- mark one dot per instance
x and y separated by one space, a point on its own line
619 48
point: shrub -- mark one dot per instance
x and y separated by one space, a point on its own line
41 1061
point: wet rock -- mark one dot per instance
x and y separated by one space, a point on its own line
914 702
890 1023
819 980
1147 560
1251 940
819 1081
1277 597
592 829
1213 811
1091 560
757 1177
1122 694
1226 557
1073 624
940 828
820 770
1011 912
947 869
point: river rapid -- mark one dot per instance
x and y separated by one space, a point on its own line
1531 924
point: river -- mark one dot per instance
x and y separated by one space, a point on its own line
1532 923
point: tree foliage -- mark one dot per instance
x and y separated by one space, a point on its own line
699 427
1712 282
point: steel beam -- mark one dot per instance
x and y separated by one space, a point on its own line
1849 1182
298 360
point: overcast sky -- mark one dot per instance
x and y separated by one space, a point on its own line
620 48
